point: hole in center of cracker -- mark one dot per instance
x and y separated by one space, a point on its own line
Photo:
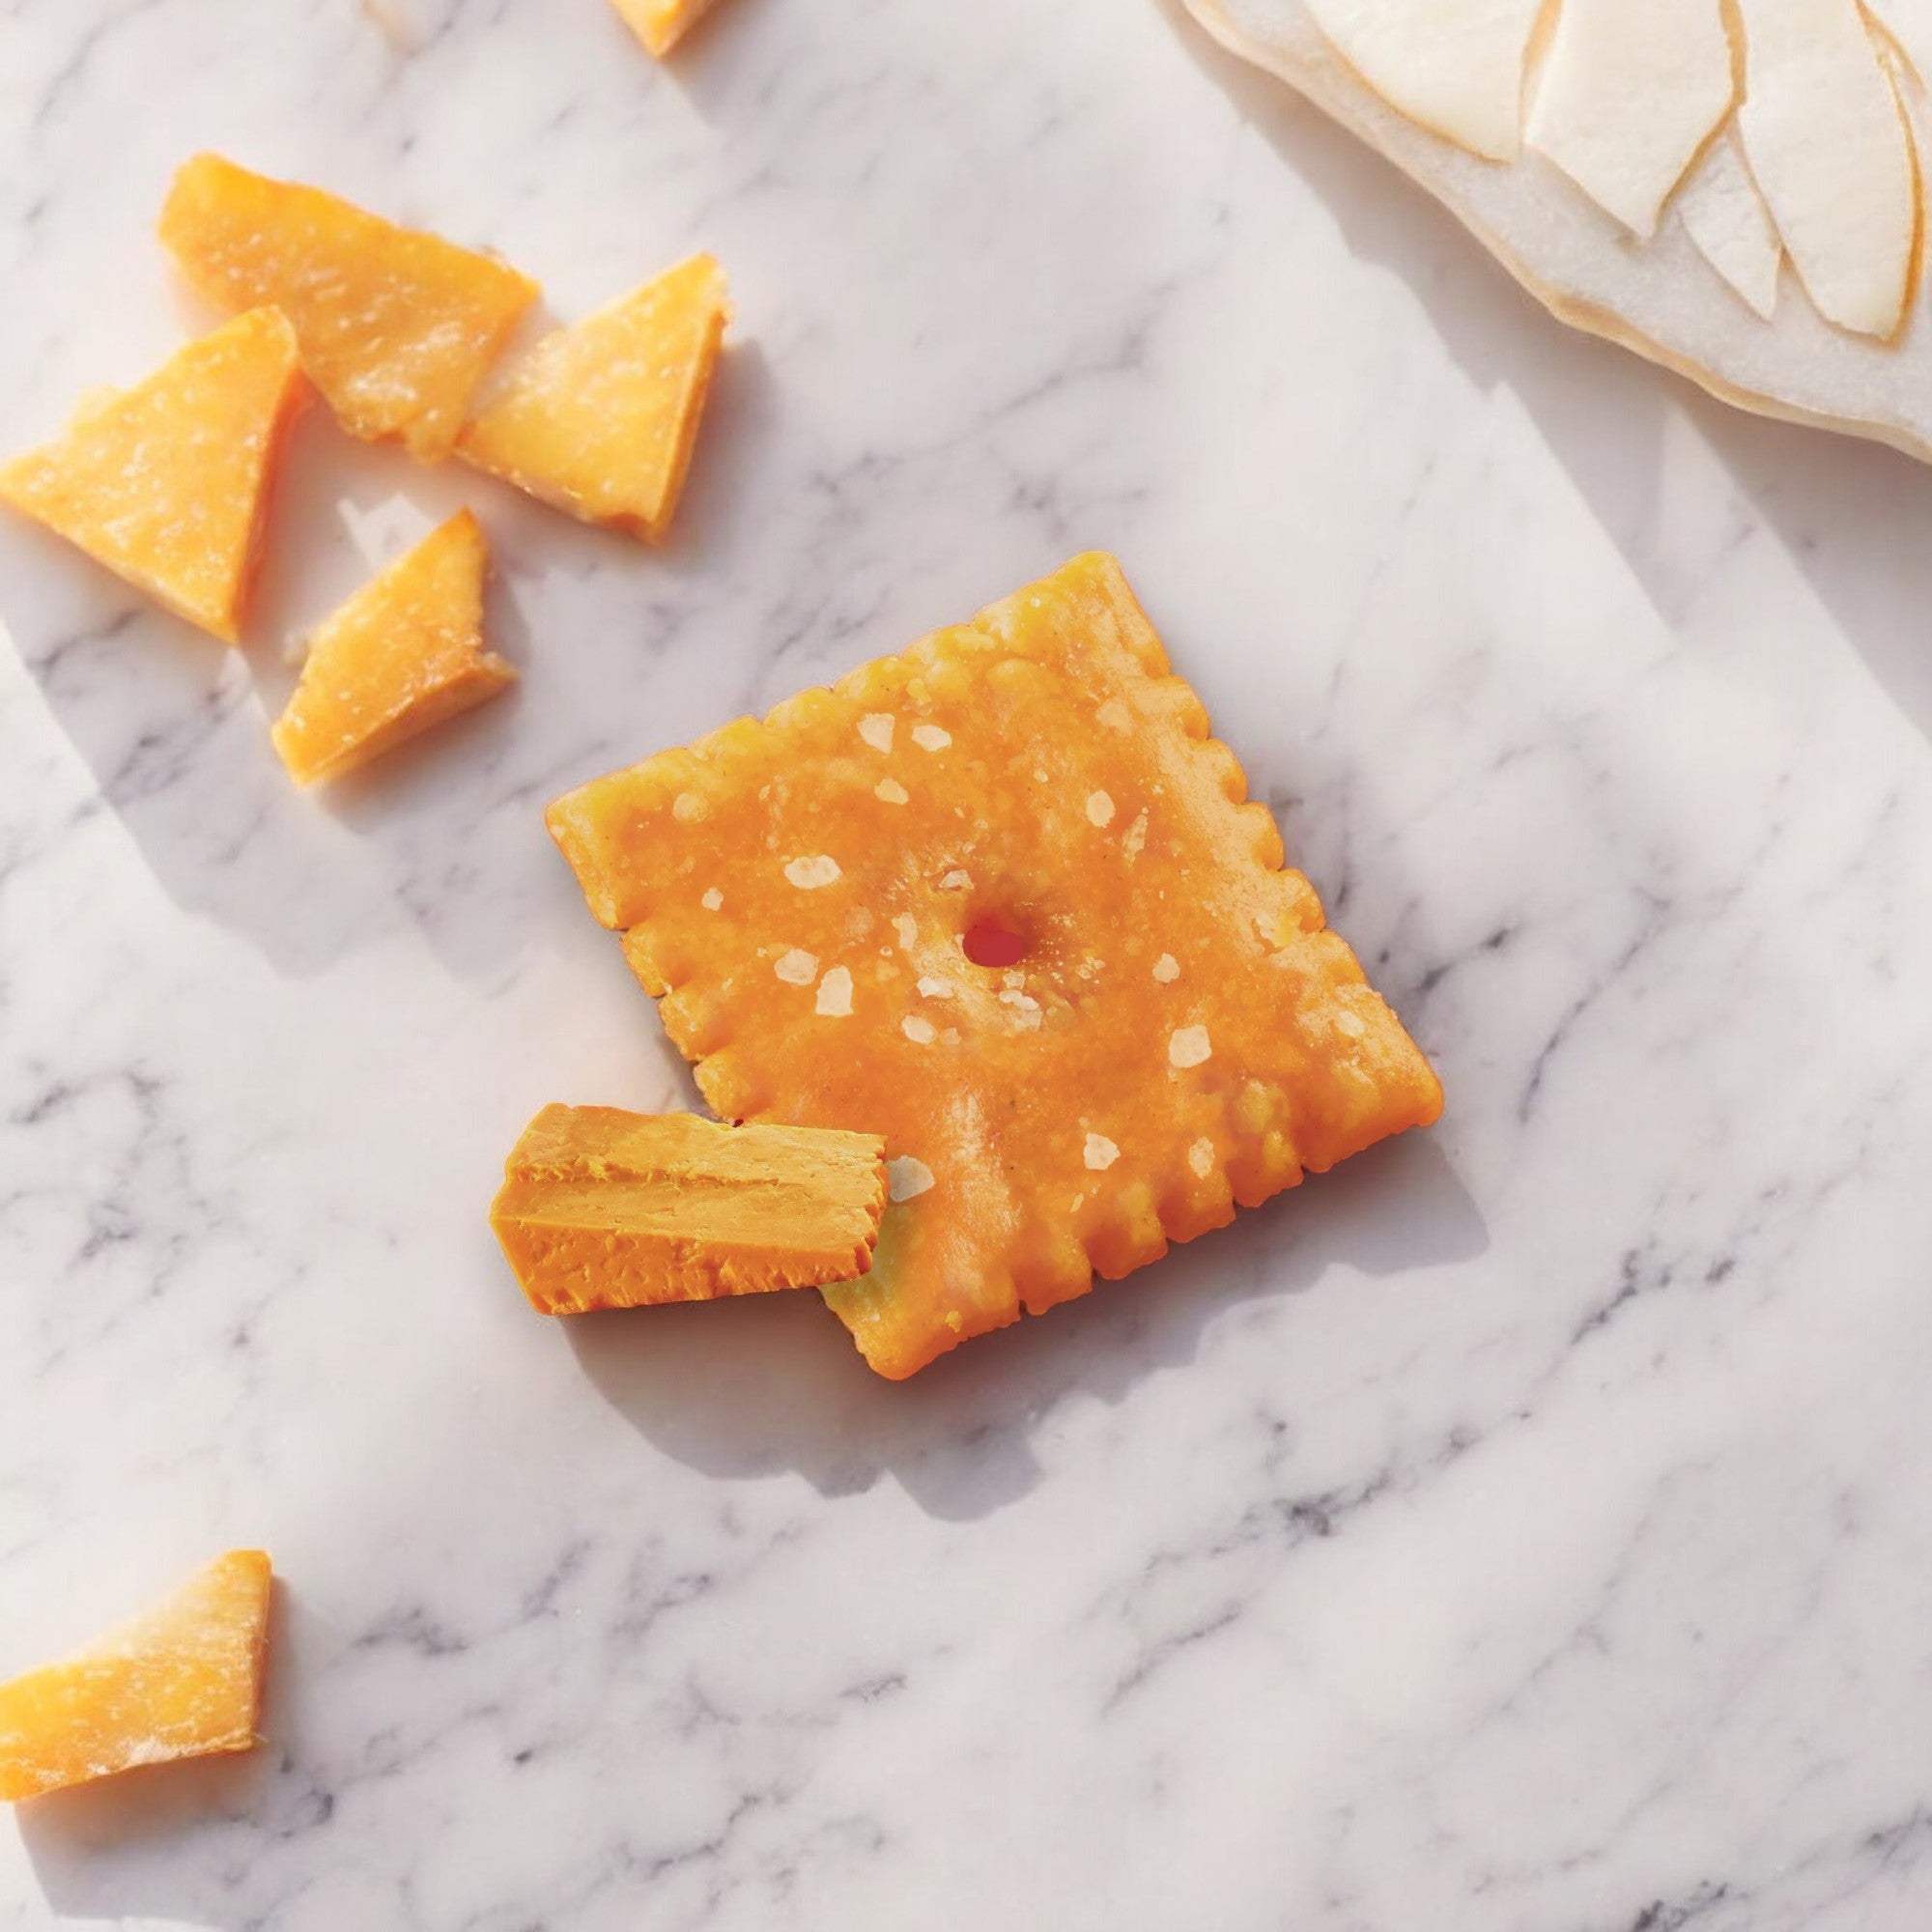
991 941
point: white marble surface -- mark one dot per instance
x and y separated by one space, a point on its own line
1524 1530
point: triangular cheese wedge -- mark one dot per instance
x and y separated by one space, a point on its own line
600 419
397 328
183 1681
662 23
403 653
167 483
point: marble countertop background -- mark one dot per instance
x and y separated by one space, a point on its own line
1523 1530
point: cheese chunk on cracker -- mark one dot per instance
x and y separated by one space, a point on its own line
602 1208
1146 1019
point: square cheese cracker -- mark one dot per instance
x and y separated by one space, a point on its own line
1167 1028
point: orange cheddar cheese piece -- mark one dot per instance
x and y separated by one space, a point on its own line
1001 899
403 653
397 328
602 1208
182 1681
168 483
662 23
600 419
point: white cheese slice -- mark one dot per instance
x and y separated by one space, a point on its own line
1725 215
1454 66
1659 298
1826 143
1628 92
1909 22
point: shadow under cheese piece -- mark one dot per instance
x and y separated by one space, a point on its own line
604 1208
1165 1027
405 653
168 483
396 327
182 1681
600 419
662 23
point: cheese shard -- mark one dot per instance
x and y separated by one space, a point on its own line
662 23
1454 66
182 1681
1826 143
600 419
397 328
1628 93
604 1208
405 653
1725 216
168 483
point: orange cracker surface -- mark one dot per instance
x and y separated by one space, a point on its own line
402 655
168 483
1178 1032
600 419
662 23
182 1681
397 328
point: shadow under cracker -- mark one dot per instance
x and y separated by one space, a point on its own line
748 1387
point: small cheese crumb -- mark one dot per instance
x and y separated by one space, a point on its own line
688 807
1167 969
809 874
834 993
892 791
1040 778
1012 998
1351 1025
1100 1152
922 1032
957 881
876 728
1201 1157
1012 976
931 737
935 989
907 928
1188 1046
1135 838
797 968
1100 809
1115 715
950 1037
955 1319
907 1175
712 900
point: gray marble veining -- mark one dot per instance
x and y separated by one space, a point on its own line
1521 1529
